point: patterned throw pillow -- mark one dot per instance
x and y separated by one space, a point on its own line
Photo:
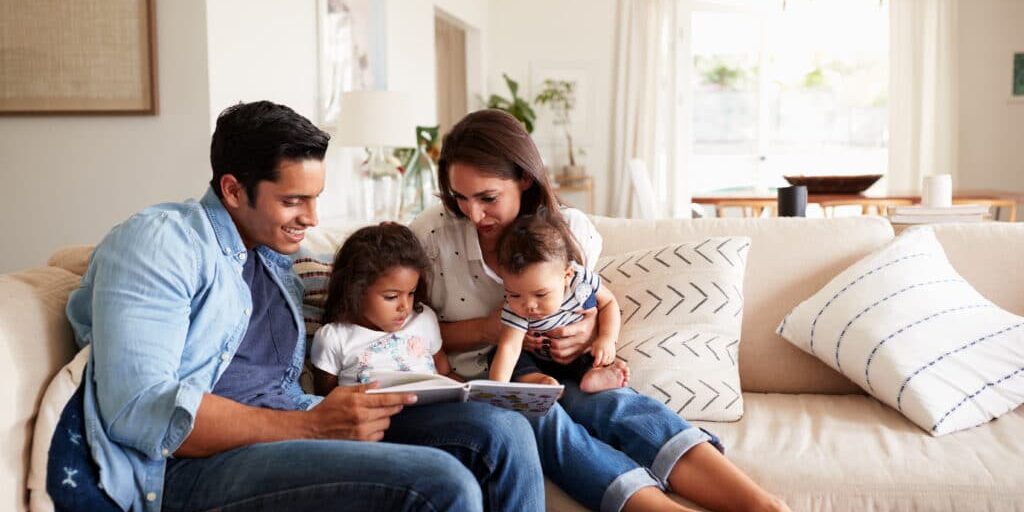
314 272
905 326
682 307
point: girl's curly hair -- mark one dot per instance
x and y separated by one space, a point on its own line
362 259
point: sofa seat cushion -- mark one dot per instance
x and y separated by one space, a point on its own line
851 452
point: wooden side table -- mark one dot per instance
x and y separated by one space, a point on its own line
584 185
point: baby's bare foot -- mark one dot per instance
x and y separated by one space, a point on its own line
537 378
615 375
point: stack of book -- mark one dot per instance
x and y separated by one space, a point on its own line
935 214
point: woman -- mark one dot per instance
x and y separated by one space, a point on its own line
489 173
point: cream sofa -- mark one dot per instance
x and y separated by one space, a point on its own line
808 434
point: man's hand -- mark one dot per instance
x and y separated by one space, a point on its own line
347 412
566 343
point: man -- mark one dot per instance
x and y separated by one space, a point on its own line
191 395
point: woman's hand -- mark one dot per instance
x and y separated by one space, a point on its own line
566 343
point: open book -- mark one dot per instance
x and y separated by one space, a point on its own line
529 399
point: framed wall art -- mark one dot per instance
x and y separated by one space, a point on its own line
82 57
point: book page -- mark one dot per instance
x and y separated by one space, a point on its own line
529 399
429 388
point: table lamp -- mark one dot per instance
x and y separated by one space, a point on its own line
376 120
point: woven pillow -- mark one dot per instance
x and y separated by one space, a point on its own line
907 328
682 307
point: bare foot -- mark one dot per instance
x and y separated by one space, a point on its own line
615 375
537 378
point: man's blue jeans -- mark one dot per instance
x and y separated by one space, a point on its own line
601 448
491 464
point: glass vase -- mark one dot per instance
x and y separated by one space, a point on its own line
419 184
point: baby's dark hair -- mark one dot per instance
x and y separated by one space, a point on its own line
536 239
362 259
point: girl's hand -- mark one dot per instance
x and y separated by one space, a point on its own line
603 351
566 343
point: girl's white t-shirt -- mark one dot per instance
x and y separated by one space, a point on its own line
354 353
462 286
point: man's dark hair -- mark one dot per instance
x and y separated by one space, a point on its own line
252 139
365 255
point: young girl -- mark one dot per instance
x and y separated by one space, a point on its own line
374 317
545 287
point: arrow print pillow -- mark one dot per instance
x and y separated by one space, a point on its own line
682 307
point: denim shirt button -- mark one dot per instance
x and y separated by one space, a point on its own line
247 311
165 452
241 256
151 496
225 356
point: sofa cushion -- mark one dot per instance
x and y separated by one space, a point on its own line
682 307
789 259
55 399
907 328
850 452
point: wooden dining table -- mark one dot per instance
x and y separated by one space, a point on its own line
734 197
714 198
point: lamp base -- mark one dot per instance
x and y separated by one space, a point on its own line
382 186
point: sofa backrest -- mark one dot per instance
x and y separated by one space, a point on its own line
789 260
792 258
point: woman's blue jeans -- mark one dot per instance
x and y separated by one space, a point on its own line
603 447
471 457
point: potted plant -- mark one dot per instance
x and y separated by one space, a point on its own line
560 97
518 107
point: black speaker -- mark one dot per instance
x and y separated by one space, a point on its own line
793 201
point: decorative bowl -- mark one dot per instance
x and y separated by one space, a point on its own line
852 184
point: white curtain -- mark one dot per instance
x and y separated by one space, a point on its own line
644 125
923 92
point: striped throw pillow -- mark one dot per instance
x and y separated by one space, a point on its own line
906 327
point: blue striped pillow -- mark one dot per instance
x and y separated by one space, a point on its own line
907 328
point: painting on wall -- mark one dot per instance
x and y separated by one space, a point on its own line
1018 76
346 56
83 57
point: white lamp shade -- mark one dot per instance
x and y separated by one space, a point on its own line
376 118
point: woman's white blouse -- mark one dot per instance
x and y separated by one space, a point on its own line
462 287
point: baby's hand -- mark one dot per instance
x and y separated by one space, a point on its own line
603 351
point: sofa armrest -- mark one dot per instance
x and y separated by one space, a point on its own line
37 341
73 258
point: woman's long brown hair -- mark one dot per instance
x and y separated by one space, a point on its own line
497 144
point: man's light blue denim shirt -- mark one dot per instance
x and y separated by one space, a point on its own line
165 307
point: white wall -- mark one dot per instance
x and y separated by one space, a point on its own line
571 33
991 151
262 50
69 179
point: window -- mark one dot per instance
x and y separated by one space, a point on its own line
774 91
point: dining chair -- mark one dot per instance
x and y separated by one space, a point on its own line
643 190
749 207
